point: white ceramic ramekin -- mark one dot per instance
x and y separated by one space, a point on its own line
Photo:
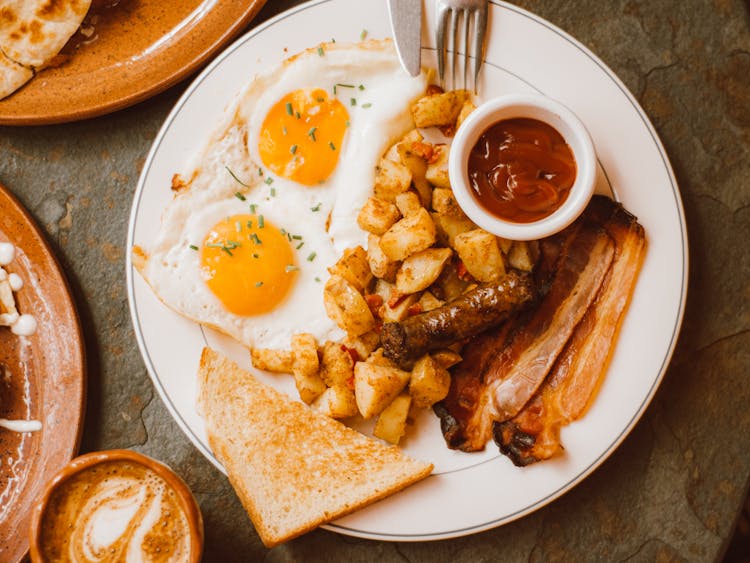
533 106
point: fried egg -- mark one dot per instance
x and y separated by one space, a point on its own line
272 201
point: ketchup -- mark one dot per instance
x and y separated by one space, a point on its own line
521 170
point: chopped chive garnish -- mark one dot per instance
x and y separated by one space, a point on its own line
361 86
253 207
289 236
334 89
366 106
293 149
289 109
239 196
311 257
232 244
320 51
225 249
255 255
192 246
330 144
273 192
283 130
260 172
258 284
353 101
269 180
311 133
317 279
363 35
255 238
283 231
213 245
316 208
345 85
238 226
291 268
348 123
297 237
300 245
333 40
297 115
235 177
249 224
261 222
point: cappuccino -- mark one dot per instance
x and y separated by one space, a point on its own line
117 510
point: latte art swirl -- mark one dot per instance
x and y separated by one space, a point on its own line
115 511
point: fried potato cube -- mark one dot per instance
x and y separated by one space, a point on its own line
480 254
444 202
378 358
408 203
428 302
277 361
380 265
420 270
449 286
429 383
504 244
377 216
393 154
375 386
399 310
305 354
336 365
391 179
519 256
466 109
337 402
364 344
413 152
411 234
446 358
353 267
391 424
450 226
437 110
437 170
346 306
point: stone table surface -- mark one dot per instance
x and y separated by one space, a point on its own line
673 488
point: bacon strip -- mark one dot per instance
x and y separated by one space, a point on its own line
534 434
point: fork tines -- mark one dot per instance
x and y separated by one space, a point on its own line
451 15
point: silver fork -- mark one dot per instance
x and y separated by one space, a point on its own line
449 12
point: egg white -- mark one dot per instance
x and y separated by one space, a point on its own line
172 268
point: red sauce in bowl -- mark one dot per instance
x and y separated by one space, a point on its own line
521 170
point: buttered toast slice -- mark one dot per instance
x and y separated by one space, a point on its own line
293 469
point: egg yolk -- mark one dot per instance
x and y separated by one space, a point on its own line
248 264
302 135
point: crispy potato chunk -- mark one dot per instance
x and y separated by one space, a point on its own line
428 302
391 424
375 386
411 234
346 306
277 361
337 364
378 358
337 402
377 216
437 170
391 179
449 286
430 382
446 358
444 202
480 254
305 368
466 109
380 265
449 227
353 267
414 153
363 344
504 244
519 256
437 110
420 270
398 311
408 203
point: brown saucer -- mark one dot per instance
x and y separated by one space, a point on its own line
137 48
44 378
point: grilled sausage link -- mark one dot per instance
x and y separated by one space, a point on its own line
466 316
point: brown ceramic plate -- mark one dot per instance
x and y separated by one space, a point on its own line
43 378
135 49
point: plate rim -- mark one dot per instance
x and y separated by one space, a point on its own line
139 94
599 460
79 342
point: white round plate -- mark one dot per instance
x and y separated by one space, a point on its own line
524 54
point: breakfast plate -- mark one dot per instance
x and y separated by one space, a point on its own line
524 54
42 377
125 52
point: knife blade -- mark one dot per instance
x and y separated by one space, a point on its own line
406 21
